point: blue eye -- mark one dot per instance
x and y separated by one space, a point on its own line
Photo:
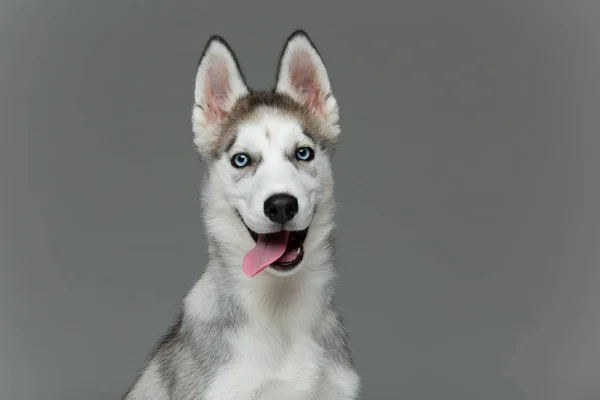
305 154
240 160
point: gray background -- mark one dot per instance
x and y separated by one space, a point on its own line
467 177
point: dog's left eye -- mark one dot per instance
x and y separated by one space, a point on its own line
305 154
240 160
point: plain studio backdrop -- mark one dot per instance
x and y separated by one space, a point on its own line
467 177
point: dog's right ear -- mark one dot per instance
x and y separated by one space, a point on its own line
219 84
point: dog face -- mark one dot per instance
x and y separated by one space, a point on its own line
270 150
273 174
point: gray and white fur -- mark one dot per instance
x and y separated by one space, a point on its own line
279 334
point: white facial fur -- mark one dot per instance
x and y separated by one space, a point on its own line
272 142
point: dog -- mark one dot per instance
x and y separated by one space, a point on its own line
261 323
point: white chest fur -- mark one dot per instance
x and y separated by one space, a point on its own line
280 365
275 353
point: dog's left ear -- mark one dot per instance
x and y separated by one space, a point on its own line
302 75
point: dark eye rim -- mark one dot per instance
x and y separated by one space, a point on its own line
233 163
311 153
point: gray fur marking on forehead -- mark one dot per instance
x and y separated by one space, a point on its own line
248 106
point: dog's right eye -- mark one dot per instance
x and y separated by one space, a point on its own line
240 160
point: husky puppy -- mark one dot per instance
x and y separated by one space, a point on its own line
261 323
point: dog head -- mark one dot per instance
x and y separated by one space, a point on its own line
268 154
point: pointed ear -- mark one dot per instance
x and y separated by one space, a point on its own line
219 84
302 75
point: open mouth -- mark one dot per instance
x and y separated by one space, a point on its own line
294 250
282 251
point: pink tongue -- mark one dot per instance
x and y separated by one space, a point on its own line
269 248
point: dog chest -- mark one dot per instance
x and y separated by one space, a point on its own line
269 366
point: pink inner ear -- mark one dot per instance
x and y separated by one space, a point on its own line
303 76
218 88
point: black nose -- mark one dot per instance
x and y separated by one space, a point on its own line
281 208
